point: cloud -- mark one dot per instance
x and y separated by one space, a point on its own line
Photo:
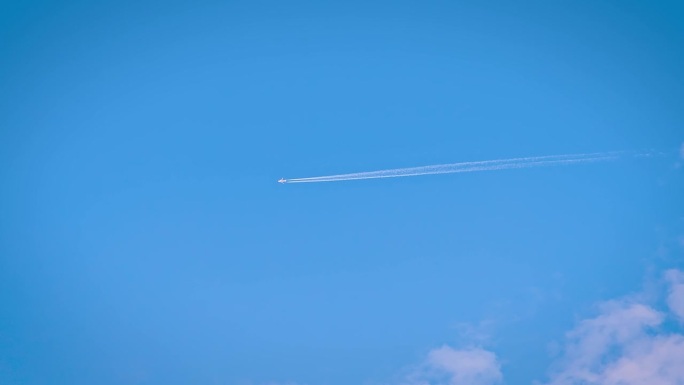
681 151
675 297
627 343
449 366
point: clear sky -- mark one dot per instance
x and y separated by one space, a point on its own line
144 239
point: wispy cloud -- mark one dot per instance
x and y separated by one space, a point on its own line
449 366
626 344
675 296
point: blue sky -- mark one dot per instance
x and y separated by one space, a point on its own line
144 239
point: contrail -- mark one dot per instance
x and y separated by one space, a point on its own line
487 165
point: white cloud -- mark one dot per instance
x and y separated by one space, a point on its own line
629 342
625 344
449 366
658 360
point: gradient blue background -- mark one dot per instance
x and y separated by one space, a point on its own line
143 239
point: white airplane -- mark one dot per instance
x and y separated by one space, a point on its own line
281 180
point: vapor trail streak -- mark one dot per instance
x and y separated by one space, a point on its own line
488 165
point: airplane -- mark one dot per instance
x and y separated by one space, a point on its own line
281 180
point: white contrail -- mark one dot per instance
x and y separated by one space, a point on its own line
487 165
